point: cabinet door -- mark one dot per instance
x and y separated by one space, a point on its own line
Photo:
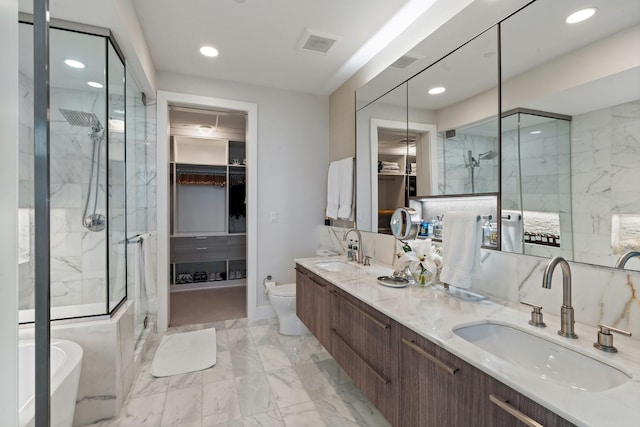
364 343
436 388
312 303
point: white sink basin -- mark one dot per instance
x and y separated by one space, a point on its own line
338 266
548 360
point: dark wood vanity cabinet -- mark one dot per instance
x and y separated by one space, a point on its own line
312 303
436 388
440 389
364 343
411 380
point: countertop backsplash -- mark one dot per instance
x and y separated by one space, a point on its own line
599 294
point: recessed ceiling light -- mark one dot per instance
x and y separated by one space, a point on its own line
535 132
581 15
205 129
209 51
73 63
95 84
436 90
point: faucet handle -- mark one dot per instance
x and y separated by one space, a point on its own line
367 260
605 338
536 315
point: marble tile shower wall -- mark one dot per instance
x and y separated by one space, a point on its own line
600 294
539 166
78 256
453 160
605 179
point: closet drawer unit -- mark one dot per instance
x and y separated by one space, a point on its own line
196 249
237 247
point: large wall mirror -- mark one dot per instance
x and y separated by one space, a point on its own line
434 134
571 129
569 152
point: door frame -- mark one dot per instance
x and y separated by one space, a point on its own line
164 100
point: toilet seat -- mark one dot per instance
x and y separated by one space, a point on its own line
283 290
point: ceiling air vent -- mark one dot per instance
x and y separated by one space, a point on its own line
317 42
405 61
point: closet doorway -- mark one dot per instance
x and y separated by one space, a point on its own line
207 215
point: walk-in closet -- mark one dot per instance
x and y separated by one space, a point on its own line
208 221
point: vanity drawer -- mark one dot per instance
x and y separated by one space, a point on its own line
365 330
200 248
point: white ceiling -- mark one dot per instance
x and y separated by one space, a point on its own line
258 39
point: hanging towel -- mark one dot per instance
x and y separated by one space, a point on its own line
333 190
512 234
340 189
461 241
145 279
345 206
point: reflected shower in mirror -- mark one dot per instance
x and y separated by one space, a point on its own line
469 159
588 75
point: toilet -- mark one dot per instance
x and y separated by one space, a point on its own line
283 300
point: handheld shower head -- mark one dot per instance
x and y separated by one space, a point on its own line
94 221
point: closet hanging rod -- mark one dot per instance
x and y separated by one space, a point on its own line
219 172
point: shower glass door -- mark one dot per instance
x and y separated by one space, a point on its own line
87 197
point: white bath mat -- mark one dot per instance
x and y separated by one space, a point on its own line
185 352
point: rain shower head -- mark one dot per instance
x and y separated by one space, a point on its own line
81 118
488 155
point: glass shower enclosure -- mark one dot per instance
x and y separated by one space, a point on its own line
536 182
88 186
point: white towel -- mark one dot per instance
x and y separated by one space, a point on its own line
461 241
345 206
145 279
512 234
333 190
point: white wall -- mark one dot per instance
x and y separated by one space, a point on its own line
292 163
8 213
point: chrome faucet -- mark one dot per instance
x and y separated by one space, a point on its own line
360 256
626 257
566 311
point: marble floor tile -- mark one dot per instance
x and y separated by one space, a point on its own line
143 411
246 362
273 357
183 407
265 334
286 387
266 419
255 395
188 380
302 415
337 413
220 402
222 370
146 384
261 378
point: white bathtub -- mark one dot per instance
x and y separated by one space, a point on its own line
66 361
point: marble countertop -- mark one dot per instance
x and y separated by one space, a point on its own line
432 313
